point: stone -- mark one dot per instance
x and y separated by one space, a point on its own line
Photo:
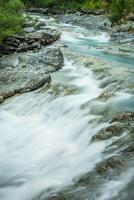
109 163
1 99
104 96
28 71
123 117
31 41
39 24
130 17
107 133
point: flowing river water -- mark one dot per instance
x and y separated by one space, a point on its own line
46 134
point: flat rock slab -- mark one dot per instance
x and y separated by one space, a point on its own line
24 72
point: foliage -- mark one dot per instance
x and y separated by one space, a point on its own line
93 4
118 9
11 19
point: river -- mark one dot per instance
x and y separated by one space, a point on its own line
46 134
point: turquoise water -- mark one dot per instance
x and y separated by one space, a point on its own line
94 48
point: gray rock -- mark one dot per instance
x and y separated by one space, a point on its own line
38 25
33 40
24 72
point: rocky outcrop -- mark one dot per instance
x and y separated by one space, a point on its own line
24 72
30 42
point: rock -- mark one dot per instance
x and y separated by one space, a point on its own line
110 163
29 47
19 81
104 96
1 99
38 10
130 17
107 133
129 149
28 24
38 25
25 72
29 29
57 197
52 56
89 21
33 40
123 117
122 123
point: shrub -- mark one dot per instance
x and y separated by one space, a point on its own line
92 4
118 9
11 20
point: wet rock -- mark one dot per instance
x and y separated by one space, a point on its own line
129 149
110 163
32 41
19 81
91 20
52 56
62 90
28 24
107 133
58 197
39 24
25 72
29 30
104 96
1 99
29 47
122 123
38 10
123 117
123 35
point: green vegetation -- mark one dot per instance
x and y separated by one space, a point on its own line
93 4
119 9
11 19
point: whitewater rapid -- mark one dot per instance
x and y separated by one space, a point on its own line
45 138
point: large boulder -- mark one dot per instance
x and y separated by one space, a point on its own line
24 72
